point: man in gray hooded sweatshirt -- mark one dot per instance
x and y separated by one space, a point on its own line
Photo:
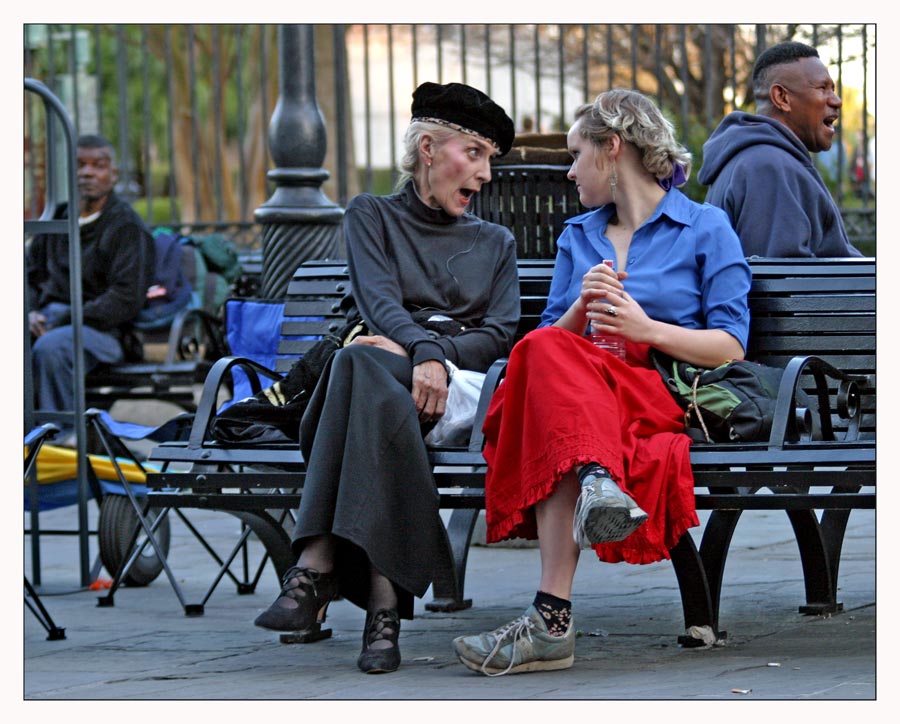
758 167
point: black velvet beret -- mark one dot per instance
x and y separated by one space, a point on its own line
464 106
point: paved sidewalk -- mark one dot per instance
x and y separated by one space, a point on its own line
145 648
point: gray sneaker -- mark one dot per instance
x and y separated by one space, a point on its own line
604 514
519 646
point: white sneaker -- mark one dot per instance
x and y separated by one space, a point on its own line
604 514
519 646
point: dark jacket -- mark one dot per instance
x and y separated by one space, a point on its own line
117 258
760 173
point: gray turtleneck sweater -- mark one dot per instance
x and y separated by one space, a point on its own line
405 256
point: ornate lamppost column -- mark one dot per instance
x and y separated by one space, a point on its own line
299 222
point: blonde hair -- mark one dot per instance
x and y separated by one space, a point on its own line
409 162
636 120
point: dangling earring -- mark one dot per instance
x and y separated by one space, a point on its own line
613 181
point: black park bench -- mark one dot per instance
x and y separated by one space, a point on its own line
192 343
815 318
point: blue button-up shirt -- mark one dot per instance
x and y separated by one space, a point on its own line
685 266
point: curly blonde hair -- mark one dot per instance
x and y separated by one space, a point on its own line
635 119
409 163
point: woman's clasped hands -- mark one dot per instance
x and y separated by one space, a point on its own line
609 308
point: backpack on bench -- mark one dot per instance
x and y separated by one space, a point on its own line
734 402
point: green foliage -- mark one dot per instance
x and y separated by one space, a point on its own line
162 209
382 181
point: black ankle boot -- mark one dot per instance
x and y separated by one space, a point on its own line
383 625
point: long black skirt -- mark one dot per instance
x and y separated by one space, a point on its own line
368 479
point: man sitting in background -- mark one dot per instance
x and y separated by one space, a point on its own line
117 258
758 167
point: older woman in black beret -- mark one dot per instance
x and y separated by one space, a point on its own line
368 526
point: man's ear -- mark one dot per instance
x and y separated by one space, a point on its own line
779 98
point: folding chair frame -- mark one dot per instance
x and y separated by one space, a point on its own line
34 441
116 450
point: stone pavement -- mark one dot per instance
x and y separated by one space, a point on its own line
144 648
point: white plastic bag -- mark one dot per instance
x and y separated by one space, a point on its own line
453 429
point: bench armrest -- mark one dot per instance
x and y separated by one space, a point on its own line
218 376
492 380
191 330
790 416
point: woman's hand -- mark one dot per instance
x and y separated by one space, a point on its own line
600 283
377 340
429 389
618 313
429 379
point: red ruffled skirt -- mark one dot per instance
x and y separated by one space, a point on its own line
564 403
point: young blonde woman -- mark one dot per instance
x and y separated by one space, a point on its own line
583 448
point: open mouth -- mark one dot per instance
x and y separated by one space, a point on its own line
466 194
830 121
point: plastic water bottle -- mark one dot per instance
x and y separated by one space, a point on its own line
613 343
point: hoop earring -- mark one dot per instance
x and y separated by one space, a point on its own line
613 181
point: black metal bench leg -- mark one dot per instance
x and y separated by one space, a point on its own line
714 548
448 586
834 526
696 602
272 535
225 567
818 566
707 566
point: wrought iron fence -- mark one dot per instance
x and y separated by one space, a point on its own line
188 106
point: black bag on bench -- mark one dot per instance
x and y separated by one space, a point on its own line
273 415
734 402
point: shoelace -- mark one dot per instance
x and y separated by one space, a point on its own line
382 620
517 628
311 574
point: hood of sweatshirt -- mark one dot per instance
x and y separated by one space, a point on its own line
739 130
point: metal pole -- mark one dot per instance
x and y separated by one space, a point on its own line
299 222
56 110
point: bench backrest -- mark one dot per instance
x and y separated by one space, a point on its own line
817 307
798 307
531 200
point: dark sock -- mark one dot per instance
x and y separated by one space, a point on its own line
556 612
593 470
